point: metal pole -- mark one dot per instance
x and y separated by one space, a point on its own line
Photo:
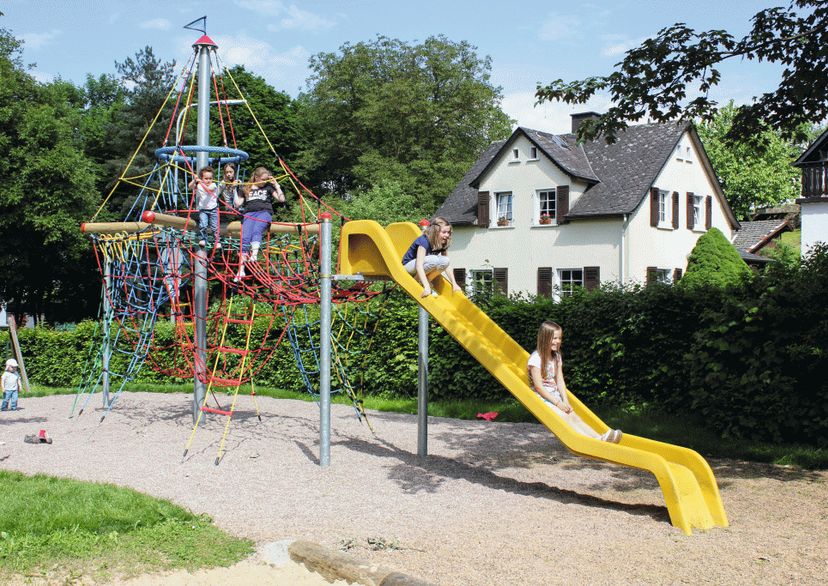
422 382
200 255
107 322
200 361
325 343
203 131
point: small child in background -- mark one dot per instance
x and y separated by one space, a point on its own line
545 368
206 192
427 254
11 385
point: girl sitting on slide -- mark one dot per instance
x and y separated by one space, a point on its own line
545 368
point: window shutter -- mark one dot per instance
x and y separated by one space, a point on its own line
562 203
677 275
654 206
690 210
708 212
501 277
592 277
545 281
483 209
460 277
652 275
675 210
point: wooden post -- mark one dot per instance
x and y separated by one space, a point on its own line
18 355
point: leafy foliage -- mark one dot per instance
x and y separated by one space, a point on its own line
714 262
386 109
669 76
750 177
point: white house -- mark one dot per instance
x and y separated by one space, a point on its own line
540 213
814 202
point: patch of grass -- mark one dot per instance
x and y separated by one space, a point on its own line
792 240
78 528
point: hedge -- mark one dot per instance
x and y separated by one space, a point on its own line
751 359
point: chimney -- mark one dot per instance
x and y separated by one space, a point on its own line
580 117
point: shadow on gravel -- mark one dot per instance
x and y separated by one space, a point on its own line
8 419
416 474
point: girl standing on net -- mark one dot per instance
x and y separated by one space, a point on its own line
545 368
427 255
257 198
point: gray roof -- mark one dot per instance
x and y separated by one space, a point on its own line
752 235
751 258
461 206
620 174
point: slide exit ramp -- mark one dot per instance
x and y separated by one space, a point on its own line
686 480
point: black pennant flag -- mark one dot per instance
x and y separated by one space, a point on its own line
202 25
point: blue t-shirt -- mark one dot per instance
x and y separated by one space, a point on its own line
411 253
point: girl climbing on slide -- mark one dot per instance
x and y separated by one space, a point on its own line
427 255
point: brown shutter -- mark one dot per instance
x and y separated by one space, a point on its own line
562 203
652 275
460 277
545 281
690 210
592 277
677 275
501 277
483 209
654 206
708 212
675 210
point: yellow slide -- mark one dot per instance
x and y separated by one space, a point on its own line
686 480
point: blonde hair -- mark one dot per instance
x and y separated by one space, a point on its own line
433 233
207 169
254 179
546 332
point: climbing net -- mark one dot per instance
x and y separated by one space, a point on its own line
150 268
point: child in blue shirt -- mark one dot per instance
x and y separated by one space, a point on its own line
427 255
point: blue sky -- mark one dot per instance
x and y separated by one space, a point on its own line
527 42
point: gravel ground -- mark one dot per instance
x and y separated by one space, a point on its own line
493 503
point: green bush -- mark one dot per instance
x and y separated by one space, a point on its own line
749 359
714 262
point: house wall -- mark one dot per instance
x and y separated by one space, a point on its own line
665 247
814 217
526 246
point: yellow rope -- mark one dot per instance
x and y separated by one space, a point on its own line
252 114
141 144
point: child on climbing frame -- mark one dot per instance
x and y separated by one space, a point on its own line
11 385
427 255
258 212
206 192
545 368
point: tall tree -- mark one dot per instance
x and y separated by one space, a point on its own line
389 110
750 177
275 111
670 76
48 190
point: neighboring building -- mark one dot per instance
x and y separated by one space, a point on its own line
540 213
760 235
814 201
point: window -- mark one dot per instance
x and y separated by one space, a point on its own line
547 207
533 153
504 208
482 282
570 279
697 212
657 275
688 154
663 209
515 154
679 152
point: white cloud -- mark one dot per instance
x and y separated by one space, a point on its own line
36 41
41 76
285 70
299 19
551 117
262 7
619 46
158 24
556 27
